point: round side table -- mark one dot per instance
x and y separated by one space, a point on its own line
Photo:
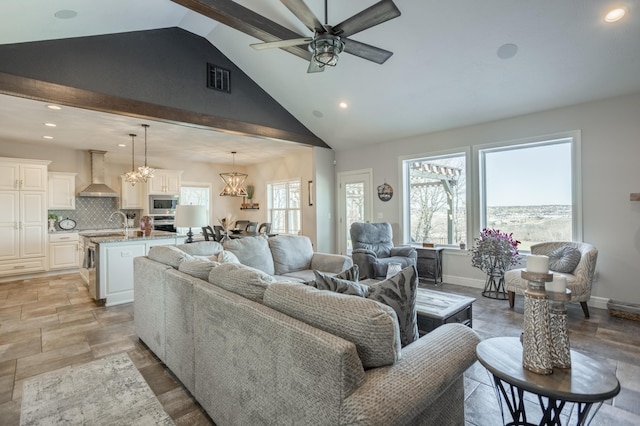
586 383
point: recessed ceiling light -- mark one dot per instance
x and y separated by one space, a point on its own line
48 137
65 14
50 124
56 107
121 145
614 15
317 113
343 105
507 51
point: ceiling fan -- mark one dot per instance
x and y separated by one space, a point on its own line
329 41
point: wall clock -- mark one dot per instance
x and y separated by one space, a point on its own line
67 224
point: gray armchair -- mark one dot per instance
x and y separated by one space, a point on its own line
373 249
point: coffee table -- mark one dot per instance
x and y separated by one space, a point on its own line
586 383
435 308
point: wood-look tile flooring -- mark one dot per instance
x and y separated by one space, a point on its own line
49 323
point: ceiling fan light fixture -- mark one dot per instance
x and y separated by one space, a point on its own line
325 49
234 182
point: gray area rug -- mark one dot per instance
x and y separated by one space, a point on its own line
108 391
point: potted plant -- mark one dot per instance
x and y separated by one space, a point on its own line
52 222
250 190
494 253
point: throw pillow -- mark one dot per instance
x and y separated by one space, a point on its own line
240 279
198 268
169 255
564 259
338 285
351 274
226 256
399 292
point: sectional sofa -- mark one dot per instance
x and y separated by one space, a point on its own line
256 350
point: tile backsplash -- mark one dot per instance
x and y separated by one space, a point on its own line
94 212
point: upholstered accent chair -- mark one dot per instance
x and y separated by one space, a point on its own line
373 249
579 280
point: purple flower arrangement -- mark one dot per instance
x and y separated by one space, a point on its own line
494 252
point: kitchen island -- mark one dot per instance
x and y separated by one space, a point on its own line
108 265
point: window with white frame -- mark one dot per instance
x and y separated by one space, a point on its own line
283 206
435 198
530 189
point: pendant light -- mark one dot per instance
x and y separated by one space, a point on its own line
132 177
145 172
233 182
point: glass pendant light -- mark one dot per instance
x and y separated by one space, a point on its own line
132 177
145 172
233 182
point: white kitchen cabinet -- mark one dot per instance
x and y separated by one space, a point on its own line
64 252
23 175
115 266
165 182
23 232
131 197
62 191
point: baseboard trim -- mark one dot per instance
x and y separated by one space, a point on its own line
594 301
33 275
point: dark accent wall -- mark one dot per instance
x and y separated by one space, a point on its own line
165 67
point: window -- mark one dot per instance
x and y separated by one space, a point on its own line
283 207
528 189
435 200
195 194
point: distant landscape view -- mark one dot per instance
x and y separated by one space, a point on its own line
532 224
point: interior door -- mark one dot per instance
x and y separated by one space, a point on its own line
354 203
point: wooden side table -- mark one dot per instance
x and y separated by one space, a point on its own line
435 308
586 383
429 263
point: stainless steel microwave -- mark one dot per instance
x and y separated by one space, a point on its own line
163 204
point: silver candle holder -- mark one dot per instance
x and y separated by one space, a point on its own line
558 326
536 338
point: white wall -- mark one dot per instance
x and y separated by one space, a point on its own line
324 200
610 172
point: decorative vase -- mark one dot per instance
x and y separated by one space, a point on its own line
536 338
560 350
494 285
52 225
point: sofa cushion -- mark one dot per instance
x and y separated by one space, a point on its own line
169 255
371 326
290 253
399 292
252 251
564 259
201 248
199 268
240 279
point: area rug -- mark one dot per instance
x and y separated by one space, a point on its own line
108 391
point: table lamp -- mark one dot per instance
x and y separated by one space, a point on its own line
188 216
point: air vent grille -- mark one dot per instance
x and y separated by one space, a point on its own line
218 78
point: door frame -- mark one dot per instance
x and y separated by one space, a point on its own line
342 177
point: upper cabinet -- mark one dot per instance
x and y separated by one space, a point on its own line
62 191
165 182
131 196
17 174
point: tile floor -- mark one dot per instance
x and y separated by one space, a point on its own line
49 323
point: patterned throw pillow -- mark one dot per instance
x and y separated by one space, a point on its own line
351 274
338 285
564 259
399 292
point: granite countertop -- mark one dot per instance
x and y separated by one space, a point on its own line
118 236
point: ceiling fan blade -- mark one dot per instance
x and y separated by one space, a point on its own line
304 14
365 51
374 15
314 67
281 43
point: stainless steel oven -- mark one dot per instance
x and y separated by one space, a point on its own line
164 223
162 204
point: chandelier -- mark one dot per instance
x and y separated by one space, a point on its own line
145 172
325 49
133 176
233 182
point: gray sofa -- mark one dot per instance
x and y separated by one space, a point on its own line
254 351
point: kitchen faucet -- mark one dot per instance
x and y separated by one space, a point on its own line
124 220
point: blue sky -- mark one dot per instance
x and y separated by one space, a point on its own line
529 177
